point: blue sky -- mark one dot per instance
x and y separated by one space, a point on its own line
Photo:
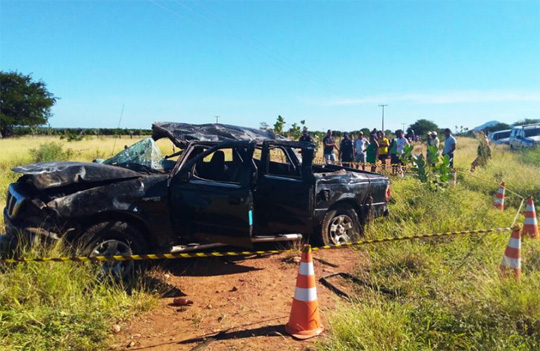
328 62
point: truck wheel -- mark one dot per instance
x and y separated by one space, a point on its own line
340 225
111 239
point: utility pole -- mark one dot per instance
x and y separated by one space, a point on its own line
383 106
217 119
403 127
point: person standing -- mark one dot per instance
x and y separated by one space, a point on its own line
372 152
383 147
449 146
483 151
435 140
392 150
306 138
433 148
360 145
401 142
329 146
346 151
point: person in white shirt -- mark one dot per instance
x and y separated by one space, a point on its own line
401 142
360 145
433 141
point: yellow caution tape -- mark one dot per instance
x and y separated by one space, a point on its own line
170 256
322 161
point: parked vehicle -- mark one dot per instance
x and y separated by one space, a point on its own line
500 136
525 136
226 185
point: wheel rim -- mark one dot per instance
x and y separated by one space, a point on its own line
341 229
113 247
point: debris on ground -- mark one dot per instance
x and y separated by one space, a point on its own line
180 301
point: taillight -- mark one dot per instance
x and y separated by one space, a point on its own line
388 192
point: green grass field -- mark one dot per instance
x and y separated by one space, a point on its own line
448 294
60 306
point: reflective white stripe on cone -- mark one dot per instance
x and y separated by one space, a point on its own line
530 225
499 198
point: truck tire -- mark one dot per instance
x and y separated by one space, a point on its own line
109 239
340 225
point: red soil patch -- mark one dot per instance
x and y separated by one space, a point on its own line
248 300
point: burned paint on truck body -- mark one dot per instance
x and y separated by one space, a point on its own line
228 185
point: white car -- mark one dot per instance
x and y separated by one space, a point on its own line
500 136
525 136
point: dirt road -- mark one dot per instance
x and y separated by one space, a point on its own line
247 300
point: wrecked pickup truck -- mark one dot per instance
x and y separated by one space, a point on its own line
224 185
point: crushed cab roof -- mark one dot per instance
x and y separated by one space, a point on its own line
182 133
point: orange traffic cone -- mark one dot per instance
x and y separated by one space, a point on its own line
305 321
499 198
530 225
453 180
512 254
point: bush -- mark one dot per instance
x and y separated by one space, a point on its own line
72 136
50 151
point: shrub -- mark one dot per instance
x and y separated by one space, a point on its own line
50 151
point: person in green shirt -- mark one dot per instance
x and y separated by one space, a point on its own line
372 152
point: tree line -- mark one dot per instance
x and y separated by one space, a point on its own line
26 103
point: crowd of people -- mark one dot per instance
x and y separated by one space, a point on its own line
359 151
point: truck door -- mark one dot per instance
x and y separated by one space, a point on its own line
210 196
283 195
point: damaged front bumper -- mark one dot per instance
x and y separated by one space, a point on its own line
19 234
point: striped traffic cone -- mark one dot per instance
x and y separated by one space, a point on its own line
453 180
305 321
512 254
499 198
530 225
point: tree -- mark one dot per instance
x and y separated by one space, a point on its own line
296 130
279 125
366 132
497 127
23 101
423 126
526 121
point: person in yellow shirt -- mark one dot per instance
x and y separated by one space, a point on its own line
384 143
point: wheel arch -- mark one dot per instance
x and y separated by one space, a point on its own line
115 216
352 203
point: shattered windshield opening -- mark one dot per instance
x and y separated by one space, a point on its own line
144 154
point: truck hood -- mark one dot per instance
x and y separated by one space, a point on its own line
56 174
